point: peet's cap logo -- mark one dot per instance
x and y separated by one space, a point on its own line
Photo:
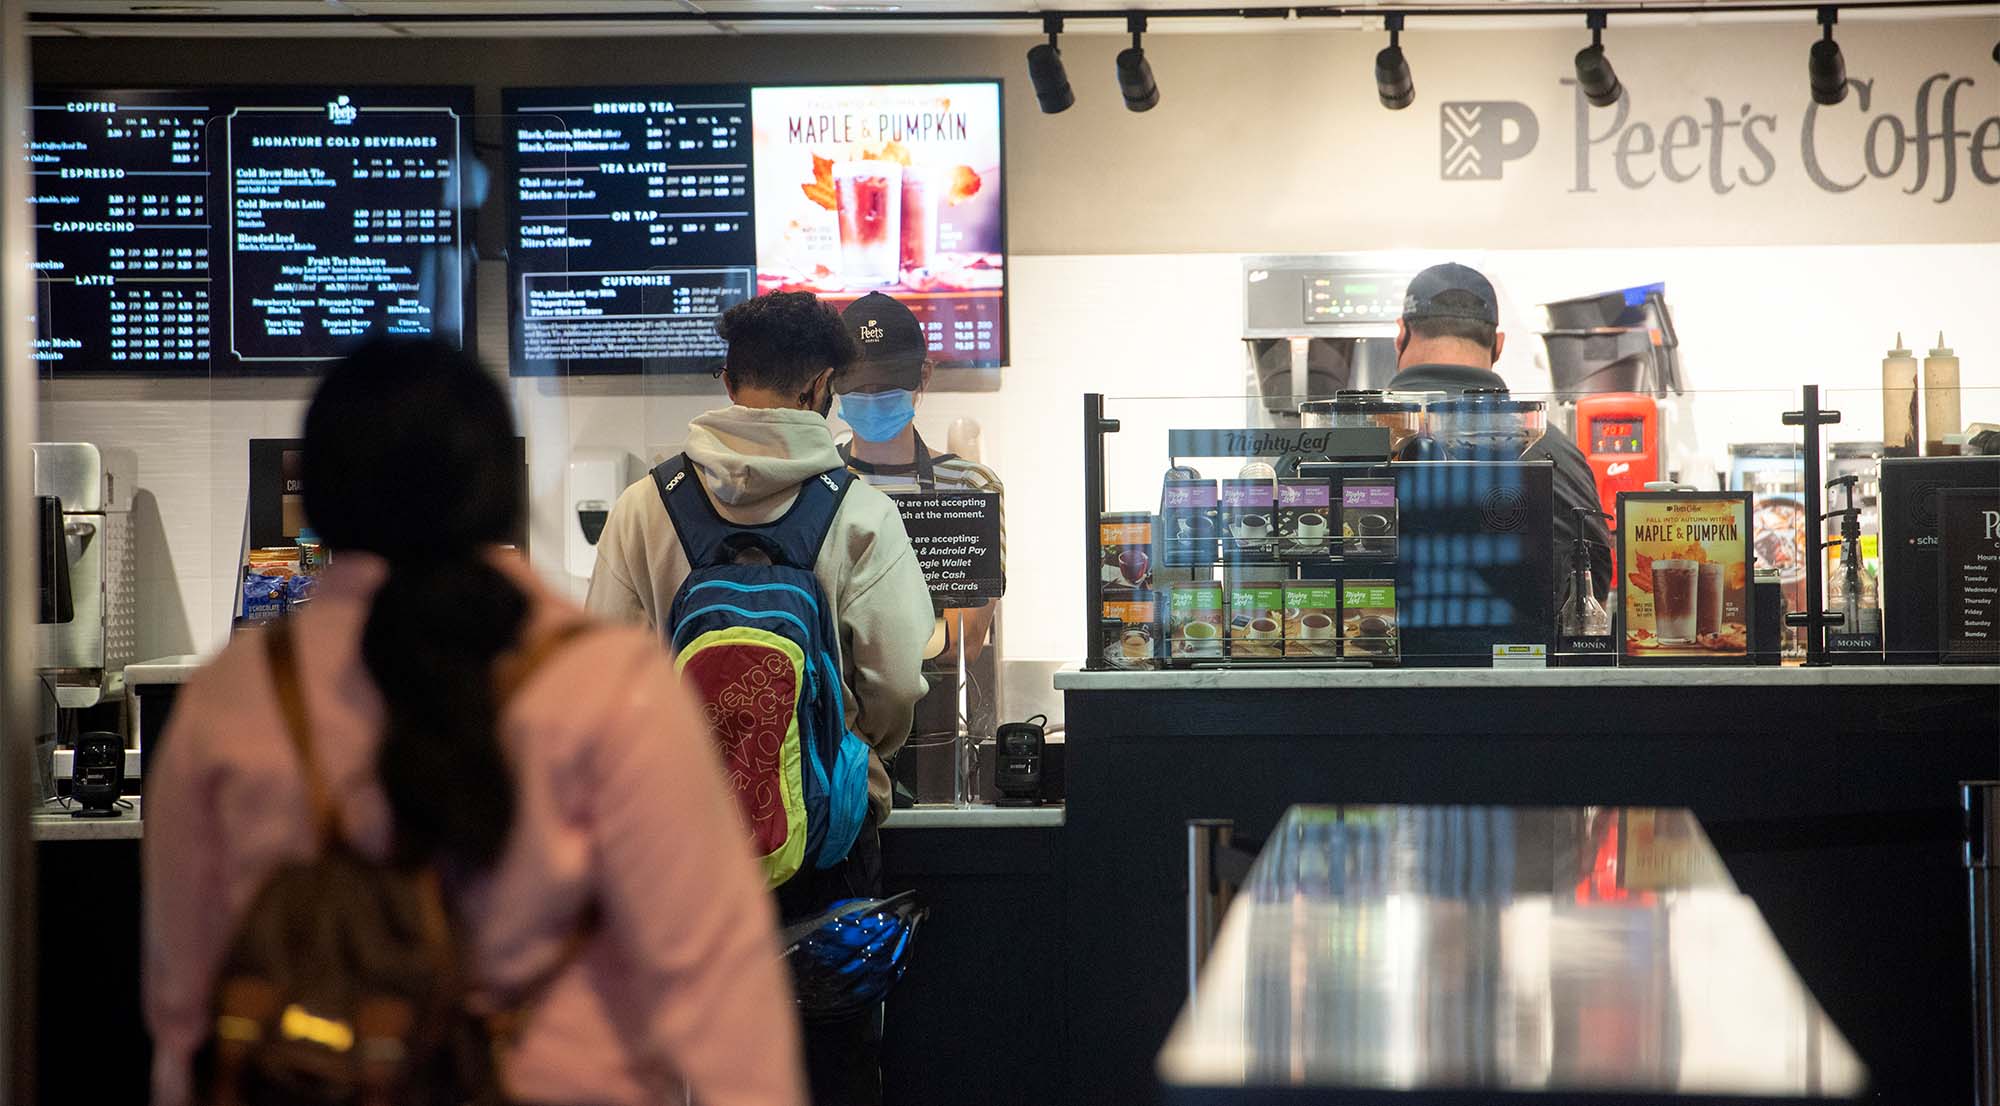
873 333
1476 145
341 113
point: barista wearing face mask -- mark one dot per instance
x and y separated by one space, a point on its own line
879 396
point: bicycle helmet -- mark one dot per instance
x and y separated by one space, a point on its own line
846 959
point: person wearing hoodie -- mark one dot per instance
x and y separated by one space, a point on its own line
785 351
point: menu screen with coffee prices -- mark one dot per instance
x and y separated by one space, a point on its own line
958 540
245 230
1969 551
638 215
1684 584
631 221
888 188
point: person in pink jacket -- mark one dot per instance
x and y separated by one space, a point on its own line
595 792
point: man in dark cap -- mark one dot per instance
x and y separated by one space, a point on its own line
1448 341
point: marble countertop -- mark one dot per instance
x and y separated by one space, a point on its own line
1262 679
982 816
53 823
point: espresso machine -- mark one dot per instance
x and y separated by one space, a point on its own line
1316 324
84 658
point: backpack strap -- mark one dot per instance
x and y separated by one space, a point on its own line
283 655
709 539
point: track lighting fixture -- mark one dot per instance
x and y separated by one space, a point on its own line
1593 70
1392 70
1135 74
1045 70
1824 66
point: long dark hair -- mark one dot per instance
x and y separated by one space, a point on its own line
410 454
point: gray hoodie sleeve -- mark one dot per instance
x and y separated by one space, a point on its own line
885 623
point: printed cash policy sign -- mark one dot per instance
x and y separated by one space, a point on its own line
1941 142
957 538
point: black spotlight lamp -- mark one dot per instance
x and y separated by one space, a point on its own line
1135 74
1392 69
1594 74
1825 67
1045 70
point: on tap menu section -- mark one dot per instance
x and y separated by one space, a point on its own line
245 230
632 225
640 214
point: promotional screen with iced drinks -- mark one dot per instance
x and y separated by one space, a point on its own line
887 188
1685 576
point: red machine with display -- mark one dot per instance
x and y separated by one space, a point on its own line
1619 433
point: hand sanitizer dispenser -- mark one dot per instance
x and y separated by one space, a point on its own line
592 484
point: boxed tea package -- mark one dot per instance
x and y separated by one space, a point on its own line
1257 619
1368 619
1188 519
1303 522
1125 549
1131 629
1368 519
1195 619
1312 619
1245 517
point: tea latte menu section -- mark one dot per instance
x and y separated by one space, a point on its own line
631 221
639 214
244 230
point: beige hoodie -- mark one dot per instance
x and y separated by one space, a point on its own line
751 461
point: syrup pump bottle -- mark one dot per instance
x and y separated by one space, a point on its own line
1854 593
1583 614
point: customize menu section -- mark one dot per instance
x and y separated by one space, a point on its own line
244 229
344 220
631 223
122 234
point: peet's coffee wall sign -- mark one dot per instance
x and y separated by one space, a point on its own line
1943 143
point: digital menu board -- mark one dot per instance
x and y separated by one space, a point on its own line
639 215
245 230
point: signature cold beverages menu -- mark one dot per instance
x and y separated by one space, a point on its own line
245 230
631 225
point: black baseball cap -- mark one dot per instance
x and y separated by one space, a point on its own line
1420 300
891 342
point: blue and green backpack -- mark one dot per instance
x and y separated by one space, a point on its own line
753 636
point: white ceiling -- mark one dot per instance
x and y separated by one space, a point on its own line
544 18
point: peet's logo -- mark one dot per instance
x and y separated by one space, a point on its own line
1476 144
1929 151
870 332
1992 524
342 113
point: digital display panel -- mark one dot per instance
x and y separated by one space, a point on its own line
1346 298
1617 436
245 230
640 214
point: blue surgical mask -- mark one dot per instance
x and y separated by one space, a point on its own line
878 416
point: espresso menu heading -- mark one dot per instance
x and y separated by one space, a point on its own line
248 230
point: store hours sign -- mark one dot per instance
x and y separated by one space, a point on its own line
1940 143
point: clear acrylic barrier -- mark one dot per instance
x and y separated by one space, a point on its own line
1445 581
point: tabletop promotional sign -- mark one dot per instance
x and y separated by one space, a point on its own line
1684 579
957 537
1969 555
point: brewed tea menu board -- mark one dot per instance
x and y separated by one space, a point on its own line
640 214
1969 548
248 231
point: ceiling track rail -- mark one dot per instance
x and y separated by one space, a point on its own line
1272 12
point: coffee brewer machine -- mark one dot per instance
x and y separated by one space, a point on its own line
1316 324
84 658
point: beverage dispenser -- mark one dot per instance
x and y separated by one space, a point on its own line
1317 324
84 658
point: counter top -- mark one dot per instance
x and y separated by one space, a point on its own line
982 816
53 823
165 670
1272 679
